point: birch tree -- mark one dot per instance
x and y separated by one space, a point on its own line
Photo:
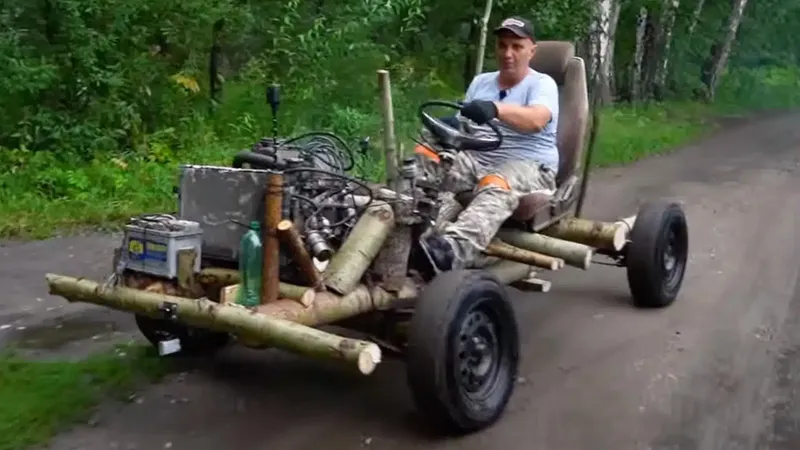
722 50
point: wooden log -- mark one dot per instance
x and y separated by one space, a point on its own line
217 276
273 211
573 253
604 235
329 307
360 248
289 235
389 143
509 271
300 294
203 313
628 223
503 250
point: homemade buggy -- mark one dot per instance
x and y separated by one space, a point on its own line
339 252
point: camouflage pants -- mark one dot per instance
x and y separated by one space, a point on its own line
496 195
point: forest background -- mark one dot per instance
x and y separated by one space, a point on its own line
102 99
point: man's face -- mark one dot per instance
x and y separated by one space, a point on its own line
513 52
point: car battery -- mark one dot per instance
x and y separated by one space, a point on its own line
151 244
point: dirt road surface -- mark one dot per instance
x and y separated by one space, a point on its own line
717 370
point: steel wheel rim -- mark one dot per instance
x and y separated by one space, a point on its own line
481 355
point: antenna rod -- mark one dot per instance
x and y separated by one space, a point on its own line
273 98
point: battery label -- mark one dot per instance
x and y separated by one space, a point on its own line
139 250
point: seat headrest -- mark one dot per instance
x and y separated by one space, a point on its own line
552 57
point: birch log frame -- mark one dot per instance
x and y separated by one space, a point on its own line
328 307
573 253
502 250
361 247
389 143
627 223
273 210
254 327
604 235
508 272
289 235
300 294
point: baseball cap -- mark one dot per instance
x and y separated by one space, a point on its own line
517 25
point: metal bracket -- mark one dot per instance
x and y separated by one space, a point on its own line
169 309
424 247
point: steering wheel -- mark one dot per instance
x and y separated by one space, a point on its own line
452 138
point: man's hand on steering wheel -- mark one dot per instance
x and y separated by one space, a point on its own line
479 111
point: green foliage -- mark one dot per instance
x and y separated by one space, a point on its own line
103 99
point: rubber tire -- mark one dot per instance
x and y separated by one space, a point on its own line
644 254
442 305
194 341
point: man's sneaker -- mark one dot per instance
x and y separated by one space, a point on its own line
441 252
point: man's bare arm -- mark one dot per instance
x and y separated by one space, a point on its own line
525 118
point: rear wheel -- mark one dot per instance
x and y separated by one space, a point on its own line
463 351
657 253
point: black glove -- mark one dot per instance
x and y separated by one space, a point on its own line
479 111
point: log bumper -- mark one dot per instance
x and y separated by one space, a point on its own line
251 325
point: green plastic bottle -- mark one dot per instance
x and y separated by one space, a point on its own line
250 262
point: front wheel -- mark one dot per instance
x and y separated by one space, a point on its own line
463 351
656 254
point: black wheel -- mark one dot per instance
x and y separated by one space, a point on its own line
194 341
656 254
463 351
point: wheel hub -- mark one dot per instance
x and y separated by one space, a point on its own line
477 353
670 258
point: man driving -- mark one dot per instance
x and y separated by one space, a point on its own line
524 105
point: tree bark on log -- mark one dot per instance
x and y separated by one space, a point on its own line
301 294
502 250
573 253
389 142
328 307
360 248
609 236
509 271
273 210
276 332
289 235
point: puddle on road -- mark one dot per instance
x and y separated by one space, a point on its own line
57 334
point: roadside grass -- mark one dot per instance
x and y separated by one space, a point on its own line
629 133
46 193
40 398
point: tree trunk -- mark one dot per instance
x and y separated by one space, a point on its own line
666 25
638 57
214 78
609 87
720 57
651 55
600 43
698 9
487 12
469 62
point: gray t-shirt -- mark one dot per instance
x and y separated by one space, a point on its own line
535 89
